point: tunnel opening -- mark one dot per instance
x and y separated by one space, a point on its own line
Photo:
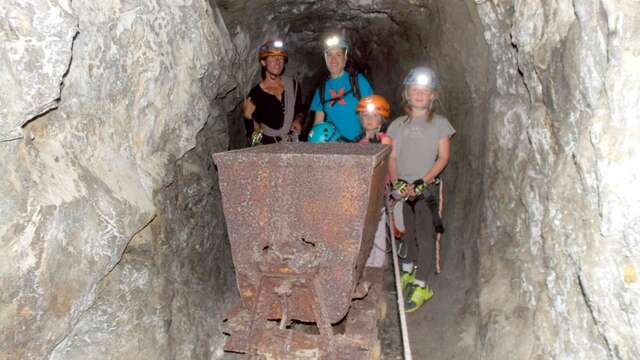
111 222
385 42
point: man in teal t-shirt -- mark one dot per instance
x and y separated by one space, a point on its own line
339 99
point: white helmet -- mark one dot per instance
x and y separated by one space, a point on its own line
422 76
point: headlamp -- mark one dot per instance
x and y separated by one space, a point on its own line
278 44
371 108
332 41
422 79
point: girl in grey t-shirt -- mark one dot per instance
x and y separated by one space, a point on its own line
420 153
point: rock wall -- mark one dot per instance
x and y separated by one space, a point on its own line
558 247
37 39
110 226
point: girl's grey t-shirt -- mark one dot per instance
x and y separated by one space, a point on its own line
417 144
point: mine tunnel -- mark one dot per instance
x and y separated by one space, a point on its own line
112 234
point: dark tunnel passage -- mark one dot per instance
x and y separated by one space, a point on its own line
112 231
386 41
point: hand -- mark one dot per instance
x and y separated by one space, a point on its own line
248 107
400 188
296 127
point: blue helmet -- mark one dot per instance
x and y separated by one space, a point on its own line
422 76
323 132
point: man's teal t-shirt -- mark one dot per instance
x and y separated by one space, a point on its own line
342 112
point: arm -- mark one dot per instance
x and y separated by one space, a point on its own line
441 163
248 107
298 118
318 117
296 125
393 169
317 107
365 86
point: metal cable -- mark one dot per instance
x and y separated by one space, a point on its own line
396 270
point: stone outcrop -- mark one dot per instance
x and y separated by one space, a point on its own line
37 39
111 233
558 245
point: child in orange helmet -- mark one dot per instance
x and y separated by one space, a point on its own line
373 112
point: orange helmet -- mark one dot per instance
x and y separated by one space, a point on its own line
272 48
374 104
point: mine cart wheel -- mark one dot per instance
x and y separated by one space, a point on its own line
376 350
381 309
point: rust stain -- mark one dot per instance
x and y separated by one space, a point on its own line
248 293
62 301
25 311
630 274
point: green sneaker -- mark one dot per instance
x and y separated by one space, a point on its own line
406 279
416 296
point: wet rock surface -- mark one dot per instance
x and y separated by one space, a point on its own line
110 222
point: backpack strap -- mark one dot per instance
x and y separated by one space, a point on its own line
322 86
353 79
337 98
355 89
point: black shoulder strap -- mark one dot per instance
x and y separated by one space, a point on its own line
353 79
355 89
322 100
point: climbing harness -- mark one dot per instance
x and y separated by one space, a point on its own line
436 207
283 134
422 192
436 213
258 135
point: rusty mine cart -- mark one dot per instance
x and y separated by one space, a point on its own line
301 220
